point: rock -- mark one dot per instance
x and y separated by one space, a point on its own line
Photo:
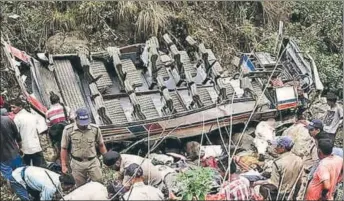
63 43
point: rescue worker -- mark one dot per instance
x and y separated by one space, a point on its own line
333 117
138 190
119 162
57 117
327 175
40 183
286 172
10 148
336 152
89 191
28 127
115 190
304 147
82 138
169 176
315 129
310 160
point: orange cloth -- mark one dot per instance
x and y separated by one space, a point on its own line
247 162
219 196
329 169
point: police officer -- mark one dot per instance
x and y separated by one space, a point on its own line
138 190
81 140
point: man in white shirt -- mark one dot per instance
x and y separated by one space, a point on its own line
27 125
40 183
333 116
89 191
138 190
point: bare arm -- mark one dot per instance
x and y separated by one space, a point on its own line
261 182
100 141
65 141
102 148
326 183
64 157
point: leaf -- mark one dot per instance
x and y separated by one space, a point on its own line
189 196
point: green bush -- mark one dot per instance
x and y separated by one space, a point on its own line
195 183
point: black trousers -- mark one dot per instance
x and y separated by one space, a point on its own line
270 192
36 195
36 158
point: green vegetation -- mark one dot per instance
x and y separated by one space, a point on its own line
195 183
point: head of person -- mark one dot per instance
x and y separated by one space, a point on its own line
113 160
16 105
115 190
271 122
325 148
54 98
322 135
134 172
331 99
315 127
193 150
67 181
54 167
283 144
82 118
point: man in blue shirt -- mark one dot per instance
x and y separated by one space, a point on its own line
40 183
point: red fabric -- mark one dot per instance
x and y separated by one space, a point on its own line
215 197
209 162
277 82
55 115
11 115
257 197
19 54
37 104
329 169
237 189
2 102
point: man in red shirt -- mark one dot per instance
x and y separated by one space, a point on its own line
327 175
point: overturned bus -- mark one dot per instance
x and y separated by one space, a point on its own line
158 88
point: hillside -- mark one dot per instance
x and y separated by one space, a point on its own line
228 28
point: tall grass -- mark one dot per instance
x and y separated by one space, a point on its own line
151 18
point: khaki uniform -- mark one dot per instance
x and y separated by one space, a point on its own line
140 191
305 148
285 170
82 146
169 176
151 173
308 162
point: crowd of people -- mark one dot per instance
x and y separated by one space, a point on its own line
312 174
